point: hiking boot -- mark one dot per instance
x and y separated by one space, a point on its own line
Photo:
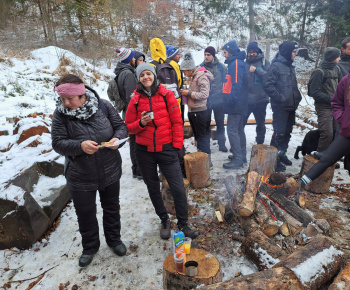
284 159
137 176
85 260
188 232
232 165
280 167
223 148
230 157
165 229
120 249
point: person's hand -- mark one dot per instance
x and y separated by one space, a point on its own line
184 92
89 147
252 68
114 140
145 118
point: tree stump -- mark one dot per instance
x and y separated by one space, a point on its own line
197 169
209 271
263 159
168 198
322 183
188 132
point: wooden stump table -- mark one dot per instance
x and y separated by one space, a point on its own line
197 169
209 271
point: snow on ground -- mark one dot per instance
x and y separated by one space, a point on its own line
141 268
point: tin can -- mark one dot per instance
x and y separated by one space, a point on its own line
179 243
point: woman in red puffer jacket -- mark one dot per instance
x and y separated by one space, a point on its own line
153 115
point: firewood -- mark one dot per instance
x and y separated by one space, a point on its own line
225 211
233 190
267 223
290 187
312 230
323 225
247 206
310 266
263 159
342 281
272 279
322 183
219 216
299 199
197 169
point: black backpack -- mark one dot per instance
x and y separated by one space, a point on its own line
166 75
325 77
119 101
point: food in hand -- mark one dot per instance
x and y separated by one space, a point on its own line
107 143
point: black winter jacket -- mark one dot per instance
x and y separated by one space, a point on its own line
281 86
84 171
126 80
255 80
344 64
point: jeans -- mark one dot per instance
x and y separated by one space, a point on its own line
85 208
200 123
259 112
236 136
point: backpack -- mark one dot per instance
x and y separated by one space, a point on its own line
119 101
325 77
166 75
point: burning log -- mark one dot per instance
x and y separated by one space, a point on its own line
342 281
197 169
322 183
276 278
316 263
247 206
225 211
290 187
263 159
287 205
265 219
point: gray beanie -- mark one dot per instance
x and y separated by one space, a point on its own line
187 62
331 53
145 66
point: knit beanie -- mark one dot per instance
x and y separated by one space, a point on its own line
145 66
254 47
210 50
231 47
286 48
187 62
331 53
139 55
171 51
125 54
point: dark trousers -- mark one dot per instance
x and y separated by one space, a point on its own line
259 112
134 167
237 138
200 123
282 123
219 117
338 148
85 208
326 125
169 165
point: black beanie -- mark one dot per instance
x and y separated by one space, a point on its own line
331 53
210 50
286 49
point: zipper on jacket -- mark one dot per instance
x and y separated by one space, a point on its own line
155 127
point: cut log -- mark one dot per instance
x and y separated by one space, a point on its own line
289 206
322 183
209 271
168 198
272 279
312 230
263 159
233 190
316 263
323 225
299 198
290 187
261 250
188 132
225 211
263 216
247 206
197 169
219 216
342 281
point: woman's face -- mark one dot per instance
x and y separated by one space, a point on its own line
147 79
188 73
72 102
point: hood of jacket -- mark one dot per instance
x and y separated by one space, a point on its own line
120 66
201 70
239 55
282 59
259 57
158 50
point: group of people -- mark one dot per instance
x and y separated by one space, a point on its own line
153 119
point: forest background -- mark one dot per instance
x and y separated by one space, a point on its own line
92 29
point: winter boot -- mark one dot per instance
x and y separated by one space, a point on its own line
280 167
283 158
165 229
85 260
232 165
188 232
119 249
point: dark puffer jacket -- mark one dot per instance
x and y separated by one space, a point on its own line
281 86
255 80
126 80
165 131
84 171
344 64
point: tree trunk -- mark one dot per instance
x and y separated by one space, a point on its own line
251 20
80 16
197 169
263 159
247 206
272 279
310 265
303 22
42 18
209 271
322 183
